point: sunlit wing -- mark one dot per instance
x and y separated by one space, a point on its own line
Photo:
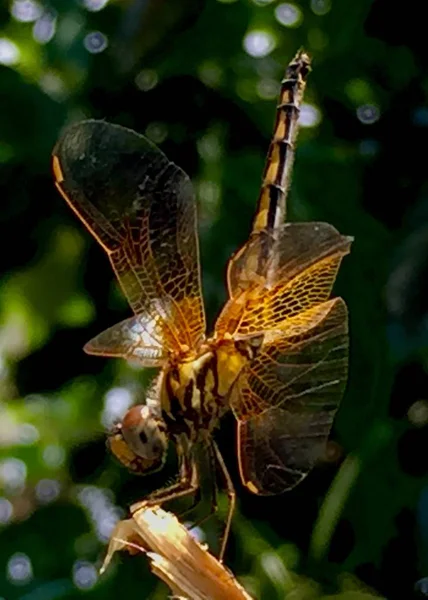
137 338
302 269
286 398
140 207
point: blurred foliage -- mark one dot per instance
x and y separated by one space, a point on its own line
200 78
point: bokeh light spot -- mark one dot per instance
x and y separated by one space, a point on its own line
210 73
19 569
288 15
321 7
197 533
259 43
6 511
9 52
209 147
368 114
44 28
102 511
25 11
268 89
310 115
13 473
146 80
54 456
95 5
421 586
359 91
209 192
28 434
53 86
85 575
116 403
157 132
418 413
95 42
47 490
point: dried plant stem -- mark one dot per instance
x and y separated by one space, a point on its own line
175 556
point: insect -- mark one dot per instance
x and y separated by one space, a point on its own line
278 354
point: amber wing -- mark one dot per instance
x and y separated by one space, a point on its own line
299 275
286 397
285 401
141 209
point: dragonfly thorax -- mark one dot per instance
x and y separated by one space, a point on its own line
187 396
194 394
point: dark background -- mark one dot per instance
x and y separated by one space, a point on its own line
181 71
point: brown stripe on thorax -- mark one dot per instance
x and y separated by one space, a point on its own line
172 409
208 384
189 397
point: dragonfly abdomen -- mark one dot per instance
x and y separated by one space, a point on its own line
271 207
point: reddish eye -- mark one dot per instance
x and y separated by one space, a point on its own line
125 455
145 434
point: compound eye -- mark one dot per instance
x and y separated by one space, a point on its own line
145 433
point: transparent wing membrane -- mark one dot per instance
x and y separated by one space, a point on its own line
135 338
306 259
141 209
286 398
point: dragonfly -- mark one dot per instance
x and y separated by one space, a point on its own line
278 354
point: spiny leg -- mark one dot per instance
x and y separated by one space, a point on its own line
215 455
230 490
189 483
211 468
186 485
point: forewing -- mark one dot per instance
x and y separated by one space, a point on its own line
286 398
141 209
298 275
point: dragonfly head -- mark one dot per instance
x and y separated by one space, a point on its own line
140 441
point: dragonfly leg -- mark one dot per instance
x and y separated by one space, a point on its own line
215 456
197 500
186 485
203 493
230 490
